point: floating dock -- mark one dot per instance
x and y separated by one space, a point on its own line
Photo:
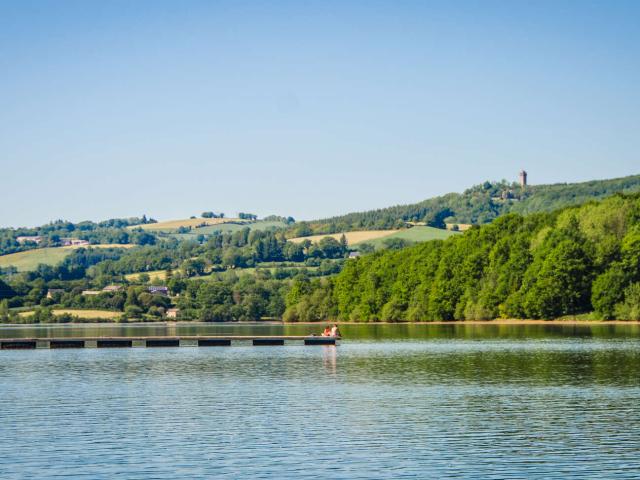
180 341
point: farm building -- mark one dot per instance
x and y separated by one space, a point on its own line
33 239
173 313
91 292
68 242
112 288
354 254
158 290
54 291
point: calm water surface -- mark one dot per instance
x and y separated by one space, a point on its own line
427 401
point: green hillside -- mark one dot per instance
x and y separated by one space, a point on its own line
547 265
478 205
228 228
415 234
30 259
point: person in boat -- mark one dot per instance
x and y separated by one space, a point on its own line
327 331
335 331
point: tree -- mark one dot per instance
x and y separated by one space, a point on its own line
629 309
366 248
144 278
303 230
193 267
144 238
208 215
5 290
210 294
132 311
293 252
608 290
563 284
4 311
233 257
300 287
395 243
436 218
630 251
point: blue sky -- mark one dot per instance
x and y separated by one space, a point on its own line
114 109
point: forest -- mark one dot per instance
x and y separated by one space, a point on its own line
477 205
572 261
112 231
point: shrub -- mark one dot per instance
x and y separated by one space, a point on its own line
629 309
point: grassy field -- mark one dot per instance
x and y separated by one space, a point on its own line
415 234
30 259
97 314
173 225
377 237
233 227
227 228
153 275
352 237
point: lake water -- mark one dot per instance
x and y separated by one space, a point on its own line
392 401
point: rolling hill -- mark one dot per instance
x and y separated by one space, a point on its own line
30 259
415 234
377 238
228 227
477 205
195 223
352 237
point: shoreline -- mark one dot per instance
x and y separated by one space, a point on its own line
568 322
487 322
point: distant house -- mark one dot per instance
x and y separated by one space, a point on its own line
158 290
112 288
54 291
354 254
91 292
173 313
76 242
34 239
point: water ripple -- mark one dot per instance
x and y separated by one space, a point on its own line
454 409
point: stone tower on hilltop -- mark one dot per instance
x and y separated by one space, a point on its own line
523 178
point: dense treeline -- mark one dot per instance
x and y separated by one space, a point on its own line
244 248
232 297
545 265
52 234
478 205
212 262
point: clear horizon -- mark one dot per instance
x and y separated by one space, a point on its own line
233 214
115 110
